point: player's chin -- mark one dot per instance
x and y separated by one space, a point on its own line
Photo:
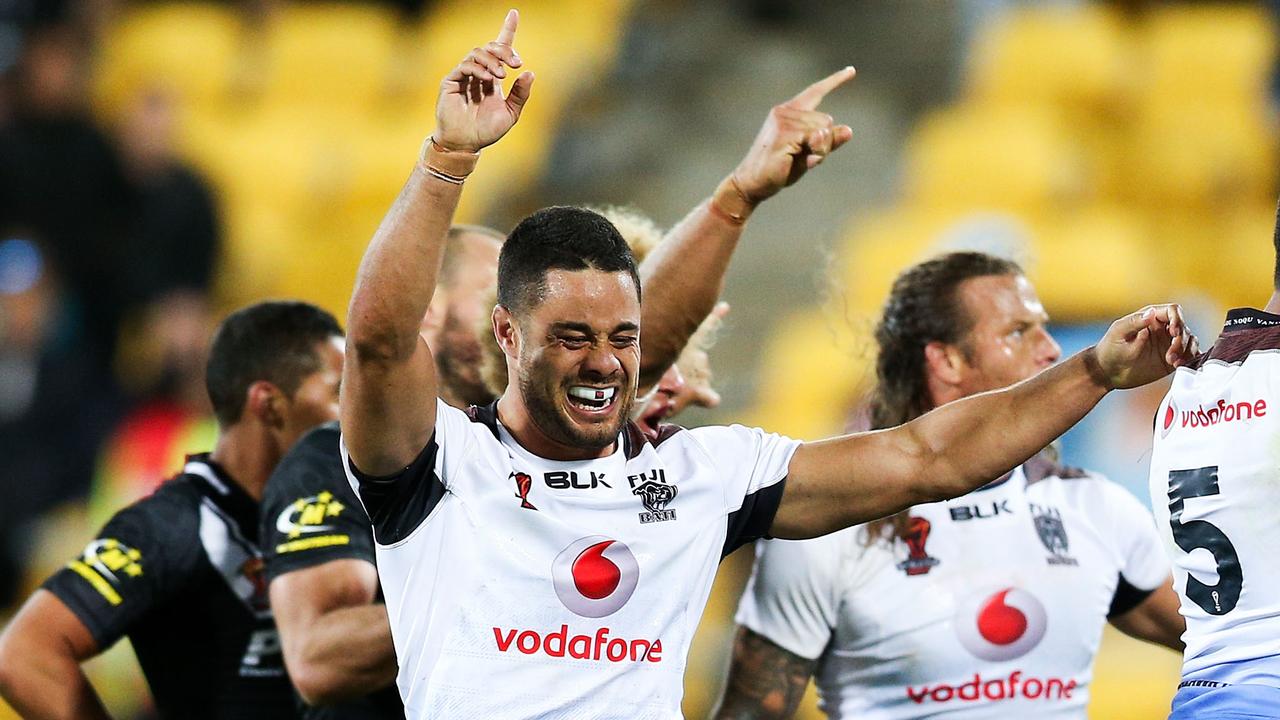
594 426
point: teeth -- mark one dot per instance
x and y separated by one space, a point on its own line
583 392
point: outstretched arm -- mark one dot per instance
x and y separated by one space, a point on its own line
963 445
687 270
389 383
766 681
40 655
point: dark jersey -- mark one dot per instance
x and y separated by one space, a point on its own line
311 516
180 574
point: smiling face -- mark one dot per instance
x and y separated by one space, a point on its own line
578 356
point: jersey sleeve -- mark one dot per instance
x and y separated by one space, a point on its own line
792 597
1141 557
139 560
309 513
752 465
397 504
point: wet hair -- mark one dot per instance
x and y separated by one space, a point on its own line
558 238
1275 283
274 341
641 234
924 307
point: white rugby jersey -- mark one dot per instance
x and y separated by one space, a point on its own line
993 607
521 587
1215 484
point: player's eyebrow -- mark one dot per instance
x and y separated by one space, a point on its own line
586 329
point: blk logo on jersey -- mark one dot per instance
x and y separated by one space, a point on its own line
981 512
999 626
656 493
918 560
524 484
1053 534
595 576
561 480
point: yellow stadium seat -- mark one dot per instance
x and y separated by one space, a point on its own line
1202 155
332 56
1226 256
811 371
884 244
1070 56
1204 52
190 49
1099 263
1006 158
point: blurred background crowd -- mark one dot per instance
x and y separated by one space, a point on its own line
164 162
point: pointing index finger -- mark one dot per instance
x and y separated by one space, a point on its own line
810 97
508 34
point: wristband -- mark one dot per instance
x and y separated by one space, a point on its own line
451 166
730 203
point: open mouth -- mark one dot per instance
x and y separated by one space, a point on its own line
592 399
659 409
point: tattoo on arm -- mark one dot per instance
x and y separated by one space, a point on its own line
765 680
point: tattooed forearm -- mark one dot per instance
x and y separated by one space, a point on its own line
765 681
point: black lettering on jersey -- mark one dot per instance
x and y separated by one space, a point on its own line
561 480
981 512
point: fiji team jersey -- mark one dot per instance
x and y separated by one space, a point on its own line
991 607
180 574
1215 484
310 517
520 587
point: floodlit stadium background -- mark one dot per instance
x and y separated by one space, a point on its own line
1125 152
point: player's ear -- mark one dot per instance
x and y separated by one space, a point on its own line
944 361
505 330
266 403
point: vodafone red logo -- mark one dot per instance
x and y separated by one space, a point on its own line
595 576
1170 415
1205 416
1000 625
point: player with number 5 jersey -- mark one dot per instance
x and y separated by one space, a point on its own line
1215 485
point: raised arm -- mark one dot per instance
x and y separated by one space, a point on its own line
40 655
687 269
966 444
389 383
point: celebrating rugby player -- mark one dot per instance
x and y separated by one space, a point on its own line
542 557
999 597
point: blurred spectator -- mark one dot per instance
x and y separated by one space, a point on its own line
53 411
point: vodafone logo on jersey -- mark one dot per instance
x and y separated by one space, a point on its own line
595 576
1224 411
1001 625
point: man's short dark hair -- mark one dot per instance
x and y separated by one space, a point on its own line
274 341
558 238
1275 283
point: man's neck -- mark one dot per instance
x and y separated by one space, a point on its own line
514 416
248 456
1273 305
